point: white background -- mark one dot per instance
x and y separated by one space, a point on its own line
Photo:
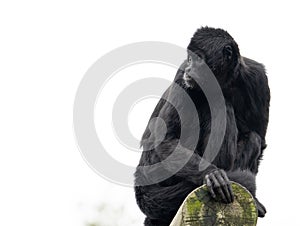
45 49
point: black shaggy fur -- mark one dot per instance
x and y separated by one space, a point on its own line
245 88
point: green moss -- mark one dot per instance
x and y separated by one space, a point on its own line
200 208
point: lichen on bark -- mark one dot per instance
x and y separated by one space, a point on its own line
200 209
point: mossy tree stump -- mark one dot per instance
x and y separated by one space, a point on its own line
200 209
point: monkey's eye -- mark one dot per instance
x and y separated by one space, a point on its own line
189 59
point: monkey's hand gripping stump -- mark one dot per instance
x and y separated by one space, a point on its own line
200 209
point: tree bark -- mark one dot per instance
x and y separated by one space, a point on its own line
200 209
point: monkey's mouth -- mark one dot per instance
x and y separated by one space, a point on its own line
188 80
187 77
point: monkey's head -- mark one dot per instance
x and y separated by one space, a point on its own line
219 51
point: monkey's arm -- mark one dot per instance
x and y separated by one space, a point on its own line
185 164
174 149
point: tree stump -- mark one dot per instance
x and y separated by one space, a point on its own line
200 209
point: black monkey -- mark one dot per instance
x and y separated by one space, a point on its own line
245 88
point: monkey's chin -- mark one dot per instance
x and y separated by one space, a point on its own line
188 81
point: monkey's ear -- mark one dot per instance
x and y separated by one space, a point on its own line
227 51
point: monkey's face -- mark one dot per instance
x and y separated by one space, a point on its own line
193 72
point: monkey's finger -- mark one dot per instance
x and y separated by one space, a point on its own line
224 174
218 186
209 186
224 186
230 192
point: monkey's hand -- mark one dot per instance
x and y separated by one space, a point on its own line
219 185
